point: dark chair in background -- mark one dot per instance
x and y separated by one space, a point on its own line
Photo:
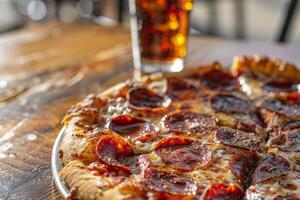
118 12
288 21
239 16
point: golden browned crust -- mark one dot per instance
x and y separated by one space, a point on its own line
85 184
262 66
77 147
256 71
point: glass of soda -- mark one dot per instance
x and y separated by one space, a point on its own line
159 32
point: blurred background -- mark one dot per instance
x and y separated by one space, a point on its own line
267 20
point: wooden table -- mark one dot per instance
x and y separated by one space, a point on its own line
44 69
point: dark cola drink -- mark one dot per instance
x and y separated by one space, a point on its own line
161 32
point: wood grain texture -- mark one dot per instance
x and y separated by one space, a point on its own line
47 68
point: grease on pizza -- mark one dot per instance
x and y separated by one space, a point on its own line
205 133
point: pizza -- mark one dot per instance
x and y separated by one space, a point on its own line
205 133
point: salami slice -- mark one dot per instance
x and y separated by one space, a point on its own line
111 148
289 109
222 191
186 157
136 164
172 141
113 151
143 97
236 138
251 156
291 125
281 86
179 89
169 182
189 122
133 127
231 104
271 167
240 167
257 119
217 79
287 197
293 96
246 127
287 184
291 141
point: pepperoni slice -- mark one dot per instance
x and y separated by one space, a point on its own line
230 104
189 122
111 148
280 86
116 153
136 164
290 109
102 169
249 155
287 197
152 195
240 167
222 191
291 141
273 166
287 184
217 79
236 138
126 124
256 118
246 127
143 97
133 127
292 125
186 157
179 89
178 84
169 182
172 141
293 96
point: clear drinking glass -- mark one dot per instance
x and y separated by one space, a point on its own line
159 31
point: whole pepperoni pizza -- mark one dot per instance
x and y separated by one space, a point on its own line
205 133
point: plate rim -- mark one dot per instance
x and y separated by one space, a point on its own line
56 165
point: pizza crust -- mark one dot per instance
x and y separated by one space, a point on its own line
85 184
263 67
81 180
74 147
